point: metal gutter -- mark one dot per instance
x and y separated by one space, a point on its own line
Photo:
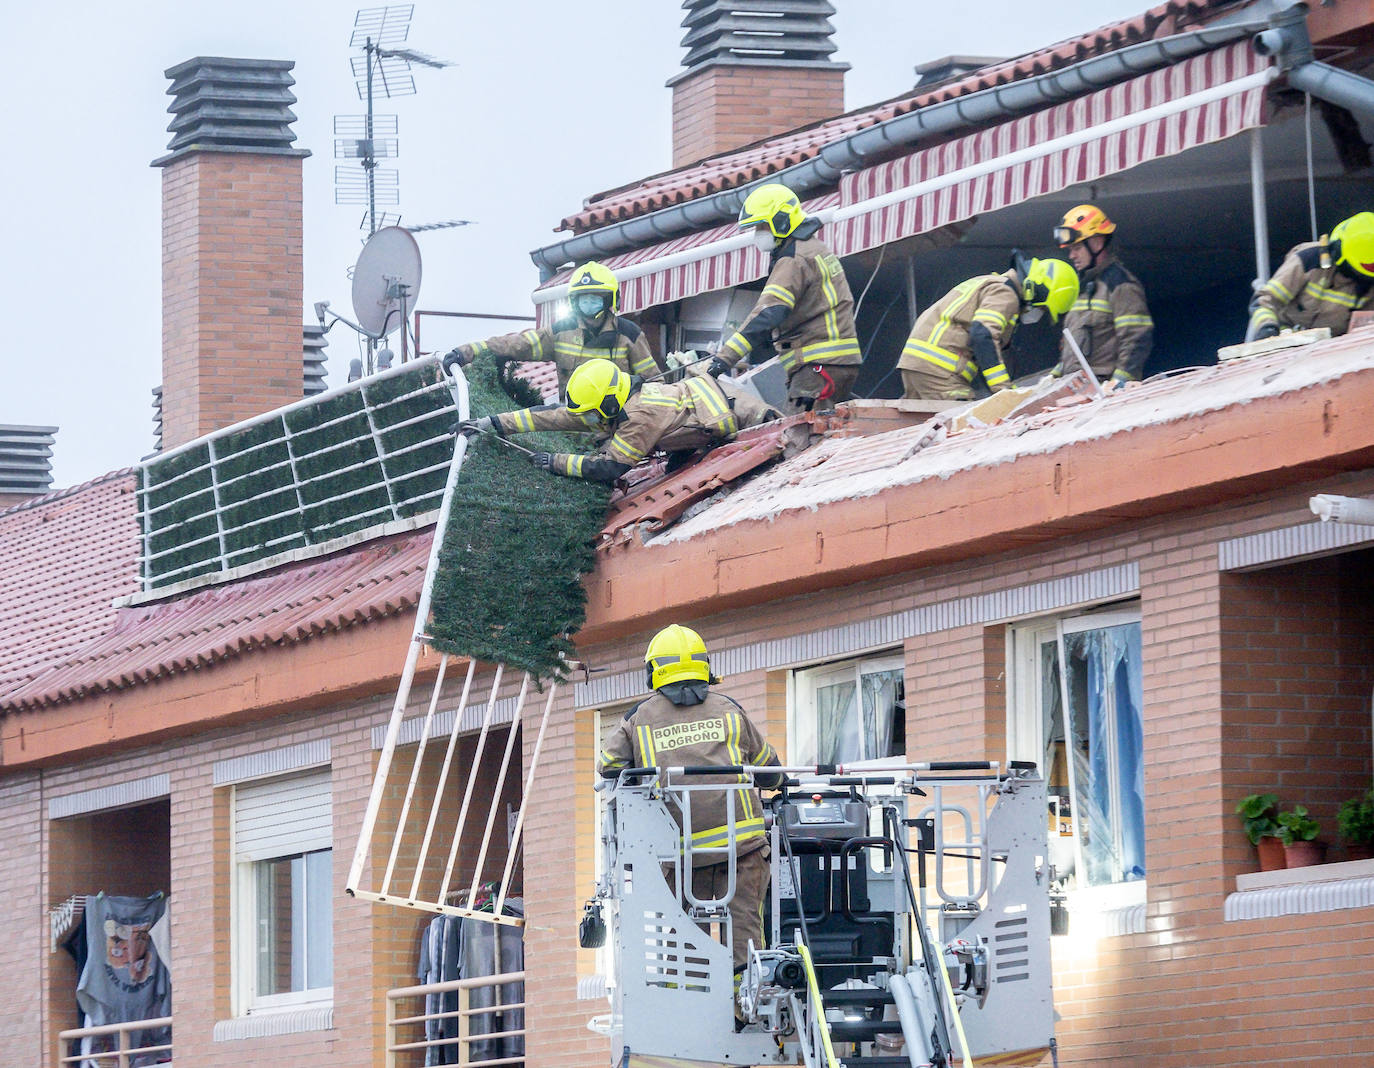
852 152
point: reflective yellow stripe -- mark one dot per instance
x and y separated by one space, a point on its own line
573 463
646 746
1083 304
1279 290
996 375
738 344
1123 321
659 400
610 760
536 344
621 446
941 358
1120 375
1264 315
568 348
744 830
966 291
1331 296
819 352
990 316
832 300
644 365
781 294
523 420
711 403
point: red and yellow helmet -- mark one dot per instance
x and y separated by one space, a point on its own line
1081 223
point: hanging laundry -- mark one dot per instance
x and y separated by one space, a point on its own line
124 978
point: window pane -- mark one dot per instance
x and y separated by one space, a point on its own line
837 726
319 915
884 715
1099 758
294 923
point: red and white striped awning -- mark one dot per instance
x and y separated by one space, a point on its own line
1202 100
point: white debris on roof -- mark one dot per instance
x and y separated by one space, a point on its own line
853 468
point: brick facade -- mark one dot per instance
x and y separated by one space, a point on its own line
1253 680
232 283
716 108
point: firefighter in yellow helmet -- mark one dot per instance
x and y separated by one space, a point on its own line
1110 319
631 419
805 303
593 330
687 724
1319 283
955 349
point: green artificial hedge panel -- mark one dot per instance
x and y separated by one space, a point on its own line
509 583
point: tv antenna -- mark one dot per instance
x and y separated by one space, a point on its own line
383 68
386 284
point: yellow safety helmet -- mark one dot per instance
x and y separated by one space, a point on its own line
598 386
1052 285
1081 223
775 206
676 654
1352 243
593 278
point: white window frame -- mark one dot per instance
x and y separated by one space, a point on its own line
244 923
1026 728
802 684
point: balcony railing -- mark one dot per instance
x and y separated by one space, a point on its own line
406 1040
124 1054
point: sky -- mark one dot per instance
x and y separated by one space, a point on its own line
547 104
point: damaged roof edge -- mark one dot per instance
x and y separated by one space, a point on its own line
1264 444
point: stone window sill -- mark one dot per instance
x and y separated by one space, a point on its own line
1296 891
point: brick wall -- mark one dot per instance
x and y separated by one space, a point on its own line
1192 989
718 107
232 284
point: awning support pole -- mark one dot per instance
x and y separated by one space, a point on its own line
1259 207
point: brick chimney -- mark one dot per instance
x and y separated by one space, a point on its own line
232 266
754 68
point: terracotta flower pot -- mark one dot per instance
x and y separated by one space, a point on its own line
1271 856
1303 854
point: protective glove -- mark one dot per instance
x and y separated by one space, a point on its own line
470 427
542 460
718 367
1267 330
460 356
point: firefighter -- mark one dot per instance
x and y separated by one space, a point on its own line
631 419
1319 283
956 346
594 330
685 723
1109 320
806 302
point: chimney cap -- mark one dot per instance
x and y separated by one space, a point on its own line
25 459
795 33
221 104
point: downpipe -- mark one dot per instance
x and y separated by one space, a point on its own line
1288 43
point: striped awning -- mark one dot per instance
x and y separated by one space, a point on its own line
1202 100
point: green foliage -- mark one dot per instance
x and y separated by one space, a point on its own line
509 583
1257 811
1355 820
1296 826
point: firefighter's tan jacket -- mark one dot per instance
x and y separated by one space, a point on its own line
940 337
1302 294
657 415
659 733
1111 323
567 345
807 281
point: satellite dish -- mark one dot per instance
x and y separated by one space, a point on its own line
386 280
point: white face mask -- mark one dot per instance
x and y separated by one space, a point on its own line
763 241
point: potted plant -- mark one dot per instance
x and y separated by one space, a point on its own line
1298 833
1257 811
1355 821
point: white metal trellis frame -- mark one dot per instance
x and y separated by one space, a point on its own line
373 835
403 483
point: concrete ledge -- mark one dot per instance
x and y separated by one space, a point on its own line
268 1024
1300 891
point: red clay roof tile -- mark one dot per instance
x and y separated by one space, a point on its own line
751 162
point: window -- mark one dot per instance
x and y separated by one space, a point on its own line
1091 665
847 712
283 892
